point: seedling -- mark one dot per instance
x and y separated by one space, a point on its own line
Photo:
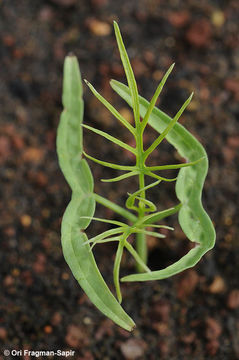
139 213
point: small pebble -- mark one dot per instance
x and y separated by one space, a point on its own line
213 329
65 276
218 18
189 338
75 336
8 281
8 40
199 33
15 272
133 348
39 265
179 19
26 220
233 299
34 155
217 286
48 329
98 28
3 333
46 14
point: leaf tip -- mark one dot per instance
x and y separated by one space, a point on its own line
200 159
116 26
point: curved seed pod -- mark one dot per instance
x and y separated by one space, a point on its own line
193 219
81 209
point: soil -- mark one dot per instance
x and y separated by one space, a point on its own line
194 315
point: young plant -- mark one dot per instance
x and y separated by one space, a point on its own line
193 219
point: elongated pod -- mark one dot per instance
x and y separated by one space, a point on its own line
78 175
193 219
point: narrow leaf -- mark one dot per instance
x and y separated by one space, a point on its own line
114 222
111 109
121 177
106 234
117 238
129 73
168 128
158 226
83 266
111 138
186 262
77 172
152 218
155 176
69 132
151 233
176 166
136 256
110 165
116 270
155 98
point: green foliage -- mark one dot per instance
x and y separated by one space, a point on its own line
81 208
194 221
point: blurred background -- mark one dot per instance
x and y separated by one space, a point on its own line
194 315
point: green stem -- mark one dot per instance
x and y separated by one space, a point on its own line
141 246
116 208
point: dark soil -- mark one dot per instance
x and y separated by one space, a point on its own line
190 316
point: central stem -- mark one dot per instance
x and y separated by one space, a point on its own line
141 246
